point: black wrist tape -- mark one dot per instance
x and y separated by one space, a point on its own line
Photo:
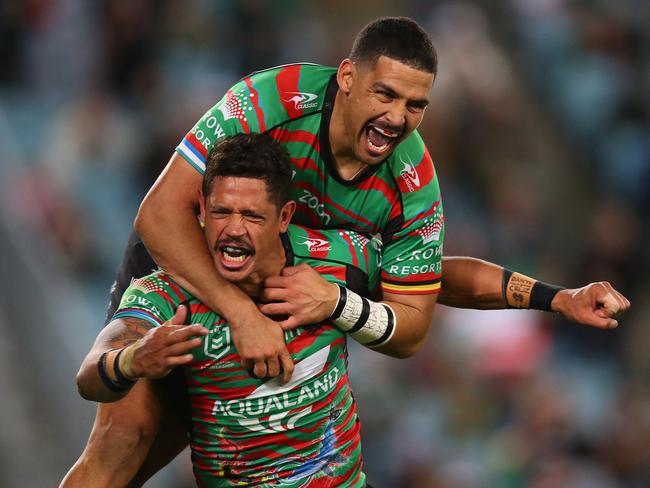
542 295
121 379
340 305
520 291
507 273
116 386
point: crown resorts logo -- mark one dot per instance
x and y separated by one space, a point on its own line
302 100
235 105
432 227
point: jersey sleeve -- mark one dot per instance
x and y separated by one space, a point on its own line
150 298
235 113
412 258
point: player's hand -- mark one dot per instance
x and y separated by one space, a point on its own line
300 293
260 344
595 304
163 348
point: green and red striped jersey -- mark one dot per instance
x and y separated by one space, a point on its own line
248 431
398 199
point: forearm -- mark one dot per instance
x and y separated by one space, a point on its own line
90 384
397 326
411 328
471 283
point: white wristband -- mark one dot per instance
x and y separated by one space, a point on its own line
369 323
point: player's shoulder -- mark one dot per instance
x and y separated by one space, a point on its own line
412 168
159 284
282 93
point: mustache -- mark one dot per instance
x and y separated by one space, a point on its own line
234 242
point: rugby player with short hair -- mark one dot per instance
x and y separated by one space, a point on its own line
245 430
358 163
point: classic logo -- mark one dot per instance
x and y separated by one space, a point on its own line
432 228
302 100
235 105
317 245
410 175
217 344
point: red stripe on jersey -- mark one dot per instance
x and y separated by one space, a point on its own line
287 83
353 253
255 100
369 226
196 144
425 169
181 296
336 271
317 244
285 135
200 308
377 184
413 279
224 394
308 164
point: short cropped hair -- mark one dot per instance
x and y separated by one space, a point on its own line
398 38
251 156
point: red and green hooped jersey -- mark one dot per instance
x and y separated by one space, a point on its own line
252 432
399 199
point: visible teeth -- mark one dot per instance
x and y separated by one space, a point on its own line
378 148
234 259
386 133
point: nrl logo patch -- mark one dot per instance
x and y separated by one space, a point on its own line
217 344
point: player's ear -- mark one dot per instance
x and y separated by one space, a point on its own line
285 214
345 75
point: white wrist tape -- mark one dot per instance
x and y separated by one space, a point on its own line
369 323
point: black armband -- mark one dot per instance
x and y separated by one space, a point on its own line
122 383
520 291
542 295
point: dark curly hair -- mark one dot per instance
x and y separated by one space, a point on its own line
251 156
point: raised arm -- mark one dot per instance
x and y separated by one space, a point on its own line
306 297
474 283
169 228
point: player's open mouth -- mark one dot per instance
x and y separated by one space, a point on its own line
379 139
234 258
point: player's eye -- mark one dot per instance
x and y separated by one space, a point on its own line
256 219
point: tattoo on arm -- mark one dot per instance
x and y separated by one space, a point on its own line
122 332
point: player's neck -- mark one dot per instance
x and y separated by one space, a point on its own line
341 142
253 285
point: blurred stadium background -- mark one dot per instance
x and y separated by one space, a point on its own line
540 129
